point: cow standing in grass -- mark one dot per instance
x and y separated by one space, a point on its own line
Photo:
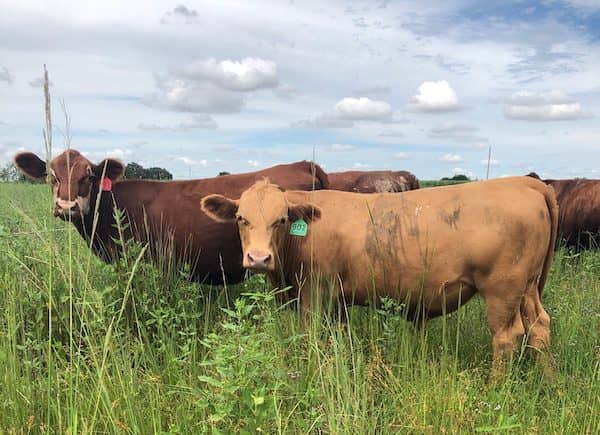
579 211
163 213
432 249
373 181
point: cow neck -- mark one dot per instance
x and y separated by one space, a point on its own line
290 255
105 221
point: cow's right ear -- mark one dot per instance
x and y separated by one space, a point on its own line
219 208
31 165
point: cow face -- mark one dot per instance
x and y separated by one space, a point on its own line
72 177
263 215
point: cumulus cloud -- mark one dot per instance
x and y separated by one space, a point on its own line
38 82
359 165
362 108
202 121
340 147
192 162
211 86
196 97
401 156
253 163
451 158
348 110
456 132
180 14
434 97
547 106
249 74
5 75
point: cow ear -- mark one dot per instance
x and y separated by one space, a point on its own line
219 208
114 169
31 165
533 175
308 212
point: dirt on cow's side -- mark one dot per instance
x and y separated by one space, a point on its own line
134 347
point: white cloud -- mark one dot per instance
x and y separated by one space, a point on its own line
201 121
340 147
451 158
359 165
186 96
325 120
253 163
493 162
5 75
401 156
546 106
180 14
362 108
434 97
249 74
211 86
191 162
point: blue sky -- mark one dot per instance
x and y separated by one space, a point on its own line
200 87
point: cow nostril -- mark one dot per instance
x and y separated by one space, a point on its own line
250 257
267 259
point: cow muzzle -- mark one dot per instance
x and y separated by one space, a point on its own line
258 260
66 209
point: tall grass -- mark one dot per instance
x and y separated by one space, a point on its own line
89 347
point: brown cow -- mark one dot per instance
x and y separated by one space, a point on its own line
164 213
579 211
373 181
431 249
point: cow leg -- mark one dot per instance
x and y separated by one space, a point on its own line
537 325
506 326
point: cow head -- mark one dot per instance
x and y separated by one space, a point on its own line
263 214
73 178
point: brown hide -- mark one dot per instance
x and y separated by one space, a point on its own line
166 213
579 211
373 181
431 249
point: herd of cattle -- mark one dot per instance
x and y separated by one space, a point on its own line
345 238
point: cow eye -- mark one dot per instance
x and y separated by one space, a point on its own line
242 221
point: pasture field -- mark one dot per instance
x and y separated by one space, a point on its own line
87 347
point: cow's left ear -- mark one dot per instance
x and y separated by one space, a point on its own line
114 169
308 212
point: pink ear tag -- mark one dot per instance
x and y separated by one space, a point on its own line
106 184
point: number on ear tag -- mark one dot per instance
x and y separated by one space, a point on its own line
299 228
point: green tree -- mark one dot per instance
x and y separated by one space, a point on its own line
9 172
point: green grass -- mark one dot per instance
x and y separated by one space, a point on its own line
88 347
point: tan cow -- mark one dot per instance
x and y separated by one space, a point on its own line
426 248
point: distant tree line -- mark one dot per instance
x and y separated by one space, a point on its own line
9 172
459 177
135 171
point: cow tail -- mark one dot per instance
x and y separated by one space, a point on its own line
320 176
552 205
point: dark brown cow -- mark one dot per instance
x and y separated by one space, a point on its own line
373 181
165 213
579 211
432 249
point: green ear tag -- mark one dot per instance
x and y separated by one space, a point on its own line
299 228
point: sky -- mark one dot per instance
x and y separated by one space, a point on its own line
200 87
